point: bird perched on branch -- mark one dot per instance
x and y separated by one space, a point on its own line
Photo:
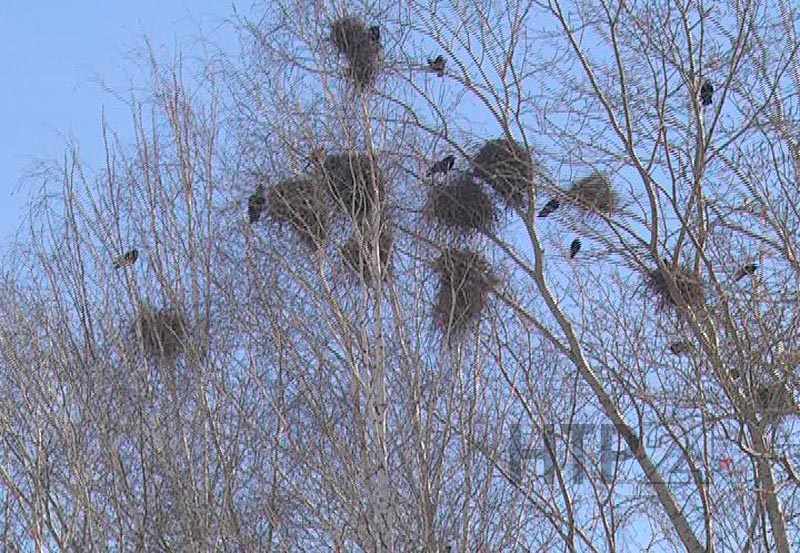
256 204
746 270
706 93
444 165
375 33
127 259
574 248
678 348
549 208
437 65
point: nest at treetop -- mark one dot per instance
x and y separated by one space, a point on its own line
507 167
354 182
465 280
163 331
352 39
594 194
461 207
687 282
297 202
358 254
775 399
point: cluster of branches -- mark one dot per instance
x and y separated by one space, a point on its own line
362 369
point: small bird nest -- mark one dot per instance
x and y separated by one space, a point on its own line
461 207
297 202
507 167
775 399
357 254
352 39
163 331
354 182
687 282
465 280
594 194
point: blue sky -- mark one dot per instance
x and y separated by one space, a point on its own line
52 58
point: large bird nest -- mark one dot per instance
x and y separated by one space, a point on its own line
352 39
507 167
465 280
163 331
354 182
774 399
357 254
594 194
687 282
461 207
297 202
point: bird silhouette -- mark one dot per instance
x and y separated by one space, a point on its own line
256 204
444 165
437 65
678 348
127 259
744 271
549 208
574 248
707 93
375 33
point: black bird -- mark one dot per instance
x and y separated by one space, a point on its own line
437 65
748 269
678 348
256 204
549 207
706 93
574 248
444 165
375 33
127 259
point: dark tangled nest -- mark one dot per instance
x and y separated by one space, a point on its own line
297 202
507 167
353 40
357 254
163 331
465 280
688 283
461 207
354 182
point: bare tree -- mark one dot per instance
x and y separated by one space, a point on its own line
576 334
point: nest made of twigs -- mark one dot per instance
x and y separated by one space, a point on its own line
594 194
352 39
357 254
163 331
297 202
774 399
507 167
465 280
687 282
354 182
461 206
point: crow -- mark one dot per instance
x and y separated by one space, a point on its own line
748 269
437 65
678 348
549 207
706 93
444 165
255 204
375 33
574 248
127 259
